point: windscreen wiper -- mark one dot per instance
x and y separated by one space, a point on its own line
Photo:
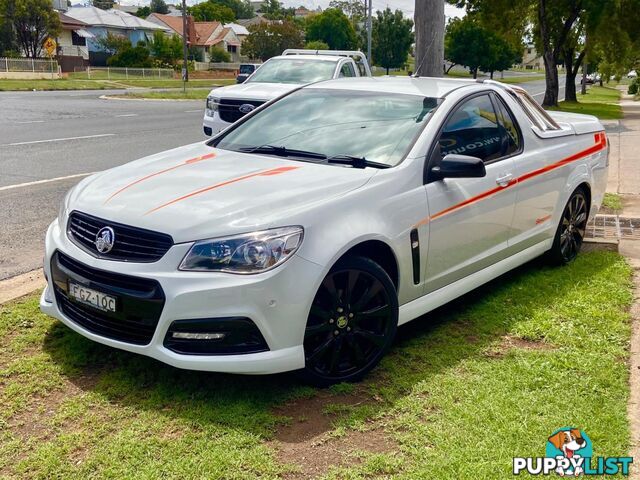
282 152
356 162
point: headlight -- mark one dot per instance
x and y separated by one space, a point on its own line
212 106
249 253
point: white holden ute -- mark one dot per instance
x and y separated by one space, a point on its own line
278 76
303 235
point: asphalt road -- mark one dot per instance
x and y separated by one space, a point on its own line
49 140
47 136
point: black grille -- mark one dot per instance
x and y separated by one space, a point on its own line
229 109
139 301
131 244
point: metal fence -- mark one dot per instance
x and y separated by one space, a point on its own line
28 65
123 73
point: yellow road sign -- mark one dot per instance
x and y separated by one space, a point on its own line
50 46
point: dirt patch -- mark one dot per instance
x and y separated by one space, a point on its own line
307 442
509 342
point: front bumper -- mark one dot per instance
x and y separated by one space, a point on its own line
277 302
213 125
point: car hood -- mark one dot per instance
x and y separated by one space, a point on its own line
254 91
197 191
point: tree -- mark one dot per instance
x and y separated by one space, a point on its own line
502 55
167 50
159 6
467 43
112 43
217 54
8 45
267 40
333 28
212 11
143 12
103 4
354 9
391 39
429 28
241 8
34 21
316 45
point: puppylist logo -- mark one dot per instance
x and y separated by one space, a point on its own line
569 452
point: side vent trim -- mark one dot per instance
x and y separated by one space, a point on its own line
415 255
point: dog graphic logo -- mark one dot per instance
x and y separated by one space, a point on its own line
571 444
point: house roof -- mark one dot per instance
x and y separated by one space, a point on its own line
69 23
94 17
204 31
237 28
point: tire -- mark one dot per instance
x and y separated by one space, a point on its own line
352 322
571 229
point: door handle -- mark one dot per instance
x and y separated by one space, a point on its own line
504 180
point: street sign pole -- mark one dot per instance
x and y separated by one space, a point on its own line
369 28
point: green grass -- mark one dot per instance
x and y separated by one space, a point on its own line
612 202
462 391
603 102
190 94
78 84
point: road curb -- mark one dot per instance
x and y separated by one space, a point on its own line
21 285
111 97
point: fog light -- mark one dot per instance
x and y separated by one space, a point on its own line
198 336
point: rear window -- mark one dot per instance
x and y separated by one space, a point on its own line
535 112
294 70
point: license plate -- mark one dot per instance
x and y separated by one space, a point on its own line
88 296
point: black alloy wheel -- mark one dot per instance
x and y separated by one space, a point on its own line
571 230
351 324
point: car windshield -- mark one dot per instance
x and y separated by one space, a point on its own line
294 70
377 126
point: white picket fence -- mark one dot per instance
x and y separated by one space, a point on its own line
123 73
28 65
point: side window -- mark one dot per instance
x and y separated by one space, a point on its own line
472 130
347 71
511 138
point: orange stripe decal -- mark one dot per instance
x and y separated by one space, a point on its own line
542 219
263 173
601 141
151 175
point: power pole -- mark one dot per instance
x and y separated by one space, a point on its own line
369 28
185 52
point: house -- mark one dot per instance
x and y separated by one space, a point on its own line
302 12
201 35
240 30
100 22
257 20
530 58
71 42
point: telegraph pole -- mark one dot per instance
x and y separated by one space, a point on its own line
185 52
369 28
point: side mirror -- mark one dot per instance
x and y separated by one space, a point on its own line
459 166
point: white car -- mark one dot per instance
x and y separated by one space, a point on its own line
303 235
278 76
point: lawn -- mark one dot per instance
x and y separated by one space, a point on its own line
78 84
463 391
190 94
612 203
603 102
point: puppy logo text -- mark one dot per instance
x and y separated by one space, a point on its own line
569 453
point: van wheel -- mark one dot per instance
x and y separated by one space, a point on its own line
351 324
571 229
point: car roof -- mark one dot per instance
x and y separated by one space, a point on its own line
423 86
321 58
